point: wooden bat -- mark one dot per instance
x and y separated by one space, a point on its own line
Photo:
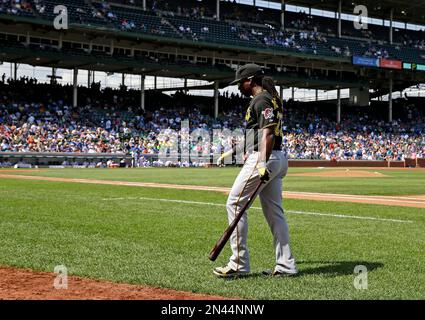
228 232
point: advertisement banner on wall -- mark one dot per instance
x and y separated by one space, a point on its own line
413 66
391 64
365 61
420 67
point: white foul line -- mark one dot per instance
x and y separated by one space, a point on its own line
353 197
334 215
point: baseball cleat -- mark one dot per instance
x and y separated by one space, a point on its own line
274 273
227 272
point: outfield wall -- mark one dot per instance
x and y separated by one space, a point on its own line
420 163
56 158
412 163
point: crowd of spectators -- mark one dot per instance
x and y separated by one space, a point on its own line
357 137
16 7
304 33
231 11
412 39
109 122
304 41
53 125
376 52
188 9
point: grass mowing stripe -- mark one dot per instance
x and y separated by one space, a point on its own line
298 195
406 182
166 244
334 215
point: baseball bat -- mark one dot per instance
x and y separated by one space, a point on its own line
215 252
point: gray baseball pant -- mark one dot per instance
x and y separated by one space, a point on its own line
271 202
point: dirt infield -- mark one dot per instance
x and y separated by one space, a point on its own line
403 201
24 284
400 201
348 173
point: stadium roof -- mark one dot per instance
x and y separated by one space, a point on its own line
404 11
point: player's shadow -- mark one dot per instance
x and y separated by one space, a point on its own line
323 268
335 268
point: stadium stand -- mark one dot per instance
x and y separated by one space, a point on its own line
21 8
134 20
39 118
192 21
112 121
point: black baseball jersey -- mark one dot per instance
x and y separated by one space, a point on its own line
263 112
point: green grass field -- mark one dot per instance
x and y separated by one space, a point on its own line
406 182
146 236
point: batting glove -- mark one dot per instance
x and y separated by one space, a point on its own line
263 172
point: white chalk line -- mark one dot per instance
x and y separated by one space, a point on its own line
334 215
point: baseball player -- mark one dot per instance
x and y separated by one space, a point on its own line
265 161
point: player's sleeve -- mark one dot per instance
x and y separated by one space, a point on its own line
266 114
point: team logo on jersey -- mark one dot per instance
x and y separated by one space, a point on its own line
268 113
